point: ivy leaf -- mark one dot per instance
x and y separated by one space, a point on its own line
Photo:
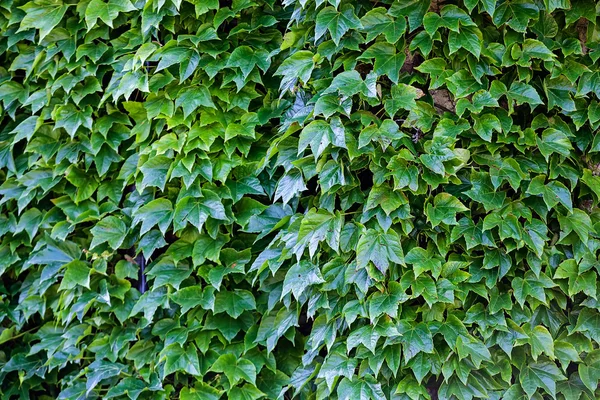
476 350
289 186
415 339
380 248
111 230
485 125
157 212
450 17
156 172
403 97
524 93
541 342
377 22
246 392
360 389
234 303
201 391
483 192
387 62
192 98
444 209
42 15
579 222
336 22
386 302
235 369
71 118
100 370
107 12
540 375
299 277
554 141
196 210
319 134
317 226
348 83
589 370
178 358
76 273
299 66
336 365
552 192
245 58
468 38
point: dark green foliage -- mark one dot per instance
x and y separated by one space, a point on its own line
311 199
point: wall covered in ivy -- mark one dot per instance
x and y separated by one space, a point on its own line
299 199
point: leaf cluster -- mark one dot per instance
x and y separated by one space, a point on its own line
308 199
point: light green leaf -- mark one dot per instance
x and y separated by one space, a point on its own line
336 22
444 209
380 248
111 230
235 369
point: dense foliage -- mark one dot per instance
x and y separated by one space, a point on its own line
310 199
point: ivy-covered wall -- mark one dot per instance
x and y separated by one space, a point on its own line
299 199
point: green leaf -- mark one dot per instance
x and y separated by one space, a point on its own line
298 66
484 193
42 15
468 38
415 339
234 303
379 248
377 22
111 230
450 17
200 391
196 210
348 83
360 389
246 392
336 364
473 348
156 172
385 197
245 58
193 97
76 273
541 342
180 359
299 277
403 97
554 141
107 12
71 118
524 93
167 272
444 209
386 302
535 49
485 125
552 192
158 212
589 370
319 134
559 91
336 22
235 369
317 226
387 62
578 222
540 375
